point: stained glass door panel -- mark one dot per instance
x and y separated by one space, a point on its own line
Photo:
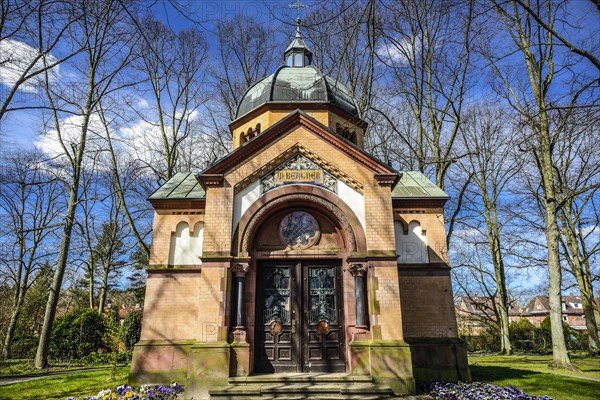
323 344
276 324
299 318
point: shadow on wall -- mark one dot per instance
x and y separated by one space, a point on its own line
185 244
411 243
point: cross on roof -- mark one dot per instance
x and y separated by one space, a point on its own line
298 6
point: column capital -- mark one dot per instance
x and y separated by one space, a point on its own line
240 269
358 268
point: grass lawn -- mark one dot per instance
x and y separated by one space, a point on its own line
59 387
532 374
526 372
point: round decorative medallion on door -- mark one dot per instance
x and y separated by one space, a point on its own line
299 230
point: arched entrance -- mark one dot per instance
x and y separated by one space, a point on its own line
300 301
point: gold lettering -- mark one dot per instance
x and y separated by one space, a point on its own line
307 175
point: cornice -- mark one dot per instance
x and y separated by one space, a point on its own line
290 152
290 122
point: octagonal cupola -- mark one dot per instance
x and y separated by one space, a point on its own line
297 53
297 85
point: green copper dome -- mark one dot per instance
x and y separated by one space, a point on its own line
297 85
297 82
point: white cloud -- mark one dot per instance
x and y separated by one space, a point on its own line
400 51
70 132
15 58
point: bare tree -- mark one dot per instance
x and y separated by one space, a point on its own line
31 33
575 48
578 176
246 54
531 99
107 40
427 47
489 144
344 35
172 64
121 171
31 201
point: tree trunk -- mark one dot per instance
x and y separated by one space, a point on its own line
41 357
103 286
491 220
10 332
494 238
589 310
91 282
580 269
560 356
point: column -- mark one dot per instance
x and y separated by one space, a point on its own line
239 270
359 271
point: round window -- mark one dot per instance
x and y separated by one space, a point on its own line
299 230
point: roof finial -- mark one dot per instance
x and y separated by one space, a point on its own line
298 6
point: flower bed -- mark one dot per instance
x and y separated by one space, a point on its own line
477 391
144 392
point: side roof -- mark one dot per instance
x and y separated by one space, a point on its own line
415 185
181 186
185 186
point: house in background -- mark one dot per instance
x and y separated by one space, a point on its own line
538 309
474 314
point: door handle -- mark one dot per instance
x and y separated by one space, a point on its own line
293 326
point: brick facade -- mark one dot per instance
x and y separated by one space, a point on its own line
189 309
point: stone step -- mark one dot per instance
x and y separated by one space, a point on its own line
303 386
299 378
304 390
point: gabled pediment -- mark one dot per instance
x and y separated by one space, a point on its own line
383 173
288 160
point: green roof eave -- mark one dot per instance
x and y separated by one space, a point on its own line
415 185
181 186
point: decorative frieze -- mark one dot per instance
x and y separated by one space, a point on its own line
298 169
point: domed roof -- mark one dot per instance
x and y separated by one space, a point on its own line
297 85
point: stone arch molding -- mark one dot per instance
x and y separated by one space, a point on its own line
277 199
186 244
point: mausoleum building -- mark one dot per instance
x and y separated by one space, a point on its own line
298 255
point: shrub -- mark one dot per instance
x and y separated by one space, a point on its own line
573 339
131 329
24 347
525 336
77 334
487 340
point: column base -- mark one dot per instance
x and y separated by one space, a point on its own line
241 359
361 333
239 334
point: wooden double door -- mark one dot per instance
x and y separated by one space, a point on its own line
299 317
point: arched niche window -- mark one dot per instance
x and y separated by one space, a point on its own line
411 243
186 246
249 134
345 132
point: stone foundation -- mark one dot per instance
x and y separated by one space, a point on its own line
439 359
387 361
159 362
